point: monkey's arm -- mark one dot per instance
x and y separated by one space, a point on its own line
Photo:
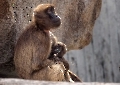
41 52
53 39
65 62
59 49
38 64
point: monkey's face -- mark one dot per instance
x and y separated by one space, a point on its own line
46 16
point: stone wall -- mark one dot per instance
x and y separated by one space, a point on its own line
100 60
78 18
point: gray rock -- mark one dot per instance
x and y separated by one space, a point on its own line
78 18
31 82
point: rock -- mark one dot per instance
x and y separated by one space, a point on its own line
78 18
31 82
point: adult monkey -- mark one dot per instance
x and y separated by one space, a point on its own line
34 47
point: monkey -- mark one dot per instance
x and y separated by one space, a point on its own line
57 52
34 45
57 55
32 50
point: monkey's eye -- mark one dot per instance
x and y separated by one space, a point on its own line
50 10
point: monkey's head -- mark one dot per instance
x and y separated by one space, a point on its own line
44 15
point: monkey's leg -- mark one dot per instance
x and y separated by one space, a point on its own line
54 72
65 62
74 77
67 76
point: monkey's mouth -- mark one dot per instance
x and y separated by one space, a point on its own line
57 23
56 19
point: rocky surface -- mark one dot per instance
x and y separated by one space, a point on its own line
31 82
78 18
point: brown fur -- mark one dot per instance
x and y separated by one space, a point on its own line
33 54
57 52
33 49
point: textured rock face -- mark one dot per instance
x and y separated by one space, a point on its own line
31 82
7 38
78 18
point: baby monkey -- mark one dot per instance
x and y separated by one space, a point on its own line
57 52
